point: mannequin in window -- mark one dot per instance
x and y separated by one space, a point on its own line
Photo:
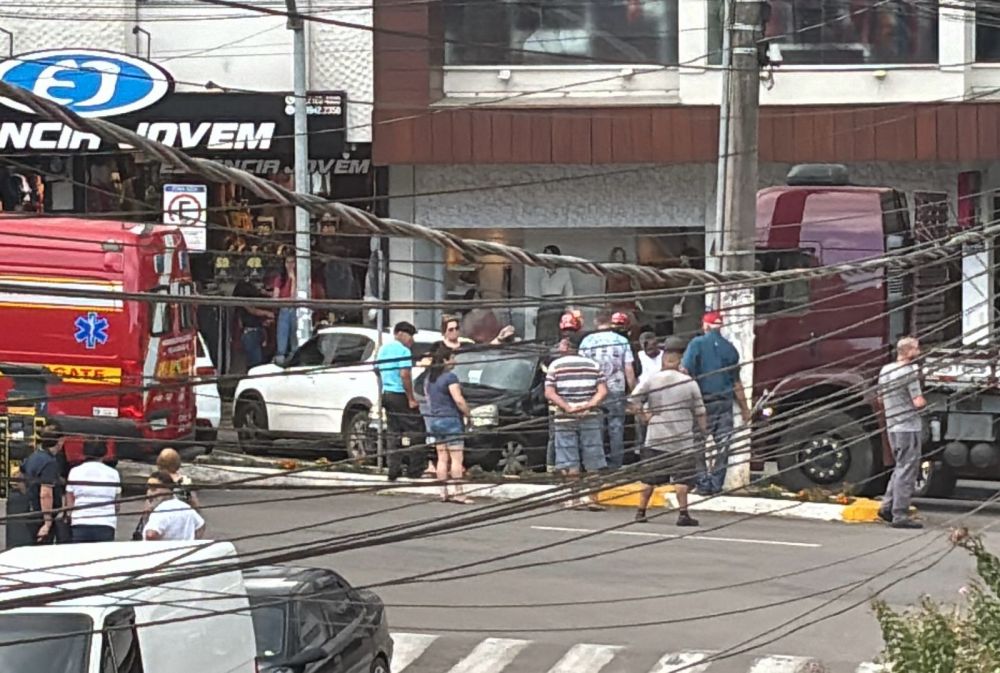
555 290
623 285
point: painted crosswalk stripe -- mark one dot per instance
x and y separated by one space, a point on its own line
688 662
869 667
490 656
585 658
406 647
782 664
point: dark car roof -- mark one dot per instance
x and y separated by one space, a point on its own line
286 580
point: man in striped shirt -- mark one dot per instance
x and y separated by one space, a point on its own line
575 388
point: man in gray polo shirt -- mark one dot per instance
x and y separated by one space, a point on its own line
902 400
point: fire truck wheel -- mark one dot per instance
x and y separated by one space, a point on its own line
829 452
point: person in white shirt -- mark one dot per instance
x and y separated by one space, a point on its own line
92 496
169 518
650 362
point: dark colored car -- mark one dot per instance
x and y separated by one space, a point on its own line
505 390
310 620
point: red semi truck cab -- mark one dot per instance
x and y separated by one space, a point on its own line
820 342
63 304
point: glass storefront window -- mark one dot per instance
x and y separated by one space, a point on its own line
844 32
560 32
988 34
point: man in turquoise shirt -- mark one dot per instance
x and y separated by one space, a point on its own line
713 361
394 364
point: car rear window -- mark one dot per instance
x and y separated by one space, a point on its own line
270 621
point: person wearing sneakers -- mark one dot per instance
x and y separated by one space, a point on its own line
902 400
670 404
714 363
575 389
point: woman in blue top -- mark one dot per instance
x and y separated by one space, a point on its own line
447 410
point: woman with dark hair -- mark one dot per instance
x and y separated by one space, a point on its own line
92 496
447 409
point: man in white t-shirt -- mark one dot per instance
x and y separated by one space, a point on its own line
169 518
92 496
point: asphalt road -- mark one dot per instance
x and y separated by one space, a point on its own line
640 589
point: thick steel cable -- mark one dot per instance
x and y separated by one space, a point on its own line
468 247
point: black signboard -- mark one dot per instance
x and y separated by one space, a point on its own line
216 125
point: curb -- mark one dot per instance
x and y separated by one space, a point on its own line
862 510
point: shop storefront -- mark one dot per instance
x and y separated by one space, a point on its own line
234 236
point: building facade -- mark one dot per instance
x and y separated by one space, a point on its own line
216 83
594 127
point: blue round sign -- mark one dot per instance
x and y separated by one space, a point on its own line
90 82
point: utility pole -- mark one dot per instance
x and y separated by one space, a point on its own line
744 24
303 249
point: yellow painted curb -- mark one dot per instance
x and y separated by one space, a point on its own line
861 510
628 496
864 510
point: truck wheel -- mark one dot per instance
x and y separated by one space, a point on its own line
826 452
935 480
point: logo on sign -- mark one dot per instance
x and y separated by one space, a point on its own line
91 330
90 82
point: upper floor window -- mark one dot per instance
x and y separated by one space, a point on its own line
560 32
988 33
845 32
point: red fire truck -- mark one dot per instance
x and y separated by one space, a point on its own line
63 305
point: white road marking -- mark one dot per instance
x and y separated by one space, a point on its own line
585 658
781 664
688 662
707 538
490 656
406 647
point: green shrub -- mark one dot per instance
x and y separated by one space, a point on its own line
935 638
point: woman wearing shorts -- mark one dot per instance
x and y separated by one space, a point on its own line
448 411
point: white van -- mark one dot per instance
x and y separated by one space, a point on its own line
200 625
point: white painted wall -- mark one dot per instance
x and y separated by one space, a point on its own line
581 197
198 43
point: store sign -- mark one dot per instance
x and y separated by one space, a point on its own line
139 96
185 206
249 125
268 167
90 82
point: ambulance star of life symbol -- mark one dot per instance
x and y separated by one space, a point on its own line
91 330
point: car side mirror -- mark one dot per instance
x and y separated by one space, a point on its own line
308 656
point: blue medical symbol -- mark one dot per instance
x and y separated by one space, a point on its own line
91 330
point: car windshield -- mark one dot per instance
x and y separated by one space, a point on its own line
508 370
269 623
61 642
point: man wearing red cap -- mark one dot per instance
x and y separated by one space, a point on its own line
713 361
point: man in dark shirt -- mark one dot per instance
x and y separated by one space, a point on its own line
252 321
714 363
42 480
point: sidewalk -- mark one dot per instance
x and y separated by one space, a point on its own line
204 472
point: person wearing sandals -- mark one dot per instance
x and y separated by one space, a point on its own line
448 410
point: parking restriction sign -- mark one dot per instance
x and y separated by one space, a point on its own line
184 207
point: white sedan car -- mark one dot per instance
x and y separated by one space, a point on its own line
323 392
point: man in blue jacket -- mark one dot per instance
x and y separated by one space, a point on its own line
713 361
